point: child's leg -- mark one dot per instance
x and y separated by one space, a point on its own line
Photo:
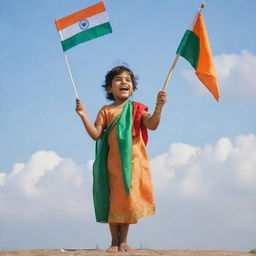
114 229
123 246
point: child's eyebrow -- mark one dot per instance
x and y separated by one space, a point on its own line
124 77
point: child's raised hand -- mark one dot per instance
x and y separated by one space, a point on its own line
161 98
80 109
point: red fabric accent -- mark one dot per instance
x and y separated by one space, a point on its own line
137 125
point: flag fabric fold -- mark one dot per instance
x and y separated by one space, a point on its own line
195 48
84 25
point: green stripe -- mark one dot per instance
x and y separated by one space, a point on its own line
86 35
124 138
101 187
189 48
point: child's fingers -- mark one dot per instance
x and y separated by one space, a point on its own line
79 108
161 97
162 93
79 103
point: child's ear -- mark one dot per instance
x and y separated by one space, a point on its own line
109 89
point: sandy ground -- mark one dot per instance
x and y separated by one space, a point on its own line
93 252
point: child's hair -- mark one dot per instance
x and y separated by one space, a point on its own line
114 72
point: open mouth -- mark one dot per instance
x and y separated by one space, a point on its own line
124 89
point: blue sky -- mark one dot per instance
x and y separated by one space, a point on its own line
37 101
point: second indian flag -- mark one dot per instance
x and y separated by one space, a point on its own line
195 48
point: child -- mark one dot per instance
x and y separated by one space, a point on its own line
122 186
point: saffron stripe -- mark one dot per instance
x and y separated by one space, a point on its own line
80 15
86 35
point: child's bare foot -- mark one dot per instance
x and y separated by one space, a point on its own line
112 249
124 247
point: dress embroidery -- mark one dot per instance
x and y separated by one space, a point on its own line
132 216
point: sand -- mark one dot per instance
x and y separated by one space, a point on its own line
93 252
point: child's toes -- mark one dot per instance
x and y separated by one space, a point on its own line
112 249
124 247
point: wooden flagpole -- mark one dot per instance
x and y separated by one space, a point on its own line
170 72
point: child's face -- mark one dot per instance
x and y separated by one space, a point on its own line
122 86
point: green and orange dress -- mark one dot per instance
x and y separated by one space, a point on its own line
120 196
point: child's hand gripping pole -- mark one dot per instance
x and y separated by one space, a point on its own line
80 108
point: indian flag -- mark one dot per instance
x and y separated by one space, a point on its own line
84 25
195 48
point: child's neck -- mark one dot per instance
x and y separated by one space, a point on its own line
119 102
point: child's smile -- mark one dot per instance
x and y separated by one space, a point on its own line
122 86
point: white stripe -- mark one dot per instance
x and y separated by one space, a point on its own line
93 21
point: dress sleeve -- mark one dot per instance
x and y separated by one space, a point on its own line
145 113
101 118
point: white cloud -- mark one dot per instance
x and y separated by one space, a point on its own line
166 166
189 171
2 179
205 199
46 202
209 198
47 184
235 73
26 177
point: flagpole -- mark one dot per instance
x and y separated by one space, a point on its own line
170 72
70 74
69 69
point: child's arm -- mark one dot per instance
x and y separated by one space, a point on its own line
93 131
152 121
